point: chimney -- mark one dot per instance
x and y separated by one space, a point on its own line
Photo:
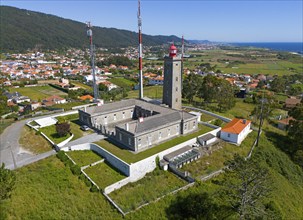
127 126
244 121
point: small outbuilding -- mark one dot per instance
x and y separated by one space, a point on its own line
207 139
236 130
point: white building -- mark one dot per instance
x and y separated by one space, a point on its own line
236 130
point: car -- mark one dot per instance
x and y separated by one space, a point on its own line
84 128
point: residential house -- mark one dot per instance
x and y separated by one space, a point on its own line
52 100
292 102
236 130
283 124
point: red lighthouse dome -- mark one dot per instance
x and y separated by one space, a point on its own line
172 51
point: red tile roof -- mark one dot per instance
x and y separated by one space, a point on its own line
236 126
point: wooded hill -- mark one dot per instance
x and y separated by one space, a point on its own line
24 29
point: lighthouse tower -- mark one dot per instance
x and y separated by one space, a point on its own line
172 79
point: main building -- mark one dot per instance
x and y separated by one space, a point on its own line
139 124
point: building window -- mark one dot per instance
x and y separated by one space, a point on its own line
176 89
105 120
160 134
185 126
123 114
169 132
115 117
176 99
139 142
177 129
194 124
129 141
228 135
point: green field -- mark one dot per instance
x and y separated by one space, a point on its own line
254 61
215 161
104 175
84 157
154 92
82 85
122 82
154 185
38 92
130 157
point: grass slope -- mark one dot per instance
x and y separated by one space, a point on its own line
84 157
152 186
48 190
33 142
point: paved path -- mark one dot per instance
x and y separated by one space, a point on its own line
86 139
11 153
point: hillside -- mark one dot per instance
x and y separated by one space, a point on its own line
23 29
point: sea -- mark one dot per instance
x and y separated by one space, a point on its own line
296 47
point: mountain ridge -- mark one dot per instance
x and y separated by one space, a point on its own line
23 29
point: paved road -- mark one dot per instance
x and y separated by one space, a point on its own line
86 139
11 153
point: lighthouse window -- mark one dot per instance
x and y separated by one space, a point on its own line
176 89
176 64
176 99
176 78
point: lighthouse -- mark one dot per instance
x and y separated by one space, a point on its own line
172 90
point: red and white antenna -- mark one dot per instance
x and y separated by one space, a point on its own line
140 51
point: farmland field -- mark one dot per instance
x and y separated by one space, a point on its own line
38 92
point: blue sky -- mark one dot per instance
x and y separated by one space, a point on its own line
225 21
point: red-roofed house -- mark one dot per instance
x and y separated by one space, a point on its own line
236 130
282 124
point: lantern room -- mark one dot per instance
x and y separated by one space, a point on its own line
172 51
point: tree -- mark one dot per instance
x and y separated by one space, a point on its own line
7 182
209 88
225 95
278 84
245 185
191 85
63 129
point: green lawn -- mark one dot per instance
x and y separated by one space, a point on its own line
151 187
84 157
33 142
51 133
149 91
48 190
208 164
38 92
129 157
104 175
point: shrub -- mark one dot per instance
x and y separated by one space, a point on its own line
218 122
76 170
87 182
94 189
61 155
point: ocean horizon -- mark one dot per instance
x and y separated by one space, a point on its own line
296 47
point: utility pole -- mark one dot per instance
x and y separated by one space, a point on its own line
92 58
140 51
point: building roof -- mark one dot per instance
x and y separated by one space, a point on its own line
286 121
176 153
292 101
236 126
85 97
206 137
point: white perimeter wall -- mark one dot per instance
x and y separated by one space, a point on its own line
134 171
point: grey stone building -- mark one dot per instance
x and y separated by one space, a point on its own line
172 90
137 124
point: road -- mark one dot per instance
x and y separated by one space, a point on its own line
12 154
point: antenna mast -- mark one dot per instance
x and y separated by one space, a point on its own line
92 58
140 52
